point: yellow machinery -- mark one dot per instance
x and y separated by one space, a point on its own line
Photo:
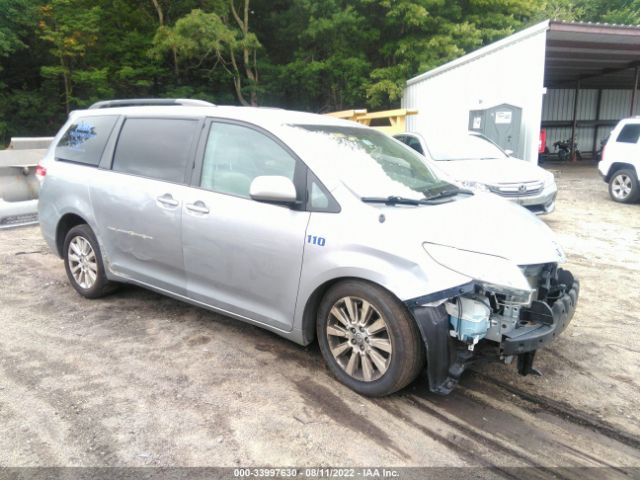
395 120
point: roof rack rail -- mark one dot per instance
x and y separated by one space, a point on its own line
138 102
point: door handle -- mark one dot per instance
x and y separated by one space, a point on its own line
198 207
167 200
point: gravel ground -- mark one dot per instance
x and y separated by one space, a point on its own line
137 379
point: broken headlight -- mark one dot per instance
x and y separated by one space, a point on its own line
494 274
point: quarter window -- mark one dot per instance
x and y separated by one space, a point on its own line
235 155
85 139
320 200
629 134
155 148
415 144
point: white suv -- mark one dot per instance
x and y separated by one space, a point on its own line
621 161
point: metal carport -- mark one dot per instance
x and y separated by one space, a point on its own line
573 79
593 59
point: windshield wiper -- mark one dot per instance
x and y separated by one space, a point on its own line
451 192
397 200
393 200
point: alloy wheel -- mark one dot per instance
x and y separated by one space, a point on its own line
621 186
82 262
359 338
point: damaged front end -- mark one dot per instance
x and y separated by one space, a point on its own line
483 321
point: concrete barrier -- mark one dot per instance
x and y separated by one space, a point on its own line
19 186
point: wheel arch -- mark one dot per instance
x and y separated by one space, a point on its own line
620 166
66 223
313 302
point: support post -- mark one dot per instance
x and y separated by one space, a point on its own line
632 109
574 122
595 127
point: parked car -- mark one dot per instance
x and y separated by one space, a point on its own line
312 227
620 162
479 164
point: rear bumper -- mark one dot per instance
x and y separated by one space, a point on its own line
603 170
542 323
18 214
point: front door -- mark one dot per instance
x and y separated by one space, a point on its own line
241 255
138 203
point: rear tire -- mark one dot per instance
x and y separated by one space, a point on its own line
623 186
83 263
368 338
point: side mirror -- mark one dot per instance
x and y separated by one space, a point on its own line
273 188
509 153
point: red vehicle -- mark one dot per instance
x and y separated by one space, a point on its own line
542 143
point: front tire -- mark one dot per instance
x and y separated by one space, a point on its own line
83 263
623 186
368 338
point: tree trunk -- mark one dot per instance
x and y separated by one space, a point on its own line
250 68
174 52
237 81
67 85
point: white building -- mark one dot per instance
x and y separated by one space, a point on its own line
541 70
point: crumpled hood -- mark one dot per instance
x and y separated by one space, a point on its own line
494 171
481 223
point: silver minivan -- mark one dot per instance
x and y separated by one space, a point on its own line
312 227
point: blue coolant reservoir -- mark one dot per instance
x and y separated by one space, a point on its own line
469 318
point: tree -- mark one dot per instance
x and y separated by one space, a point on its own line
15 17
612 11
161 20
313 55
419 35
71 26
221 37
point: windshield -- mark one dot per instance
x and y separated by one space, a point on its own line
373 164
464 147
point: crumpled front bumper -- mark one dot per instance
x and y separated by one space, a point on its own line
541 323
538 325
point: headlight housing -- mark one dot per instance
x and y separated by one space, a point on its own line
495 274
475 186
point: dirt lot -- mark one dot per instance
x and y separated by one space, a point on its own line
138 379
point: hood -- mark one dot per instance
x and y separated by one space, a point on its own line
494 171
482 223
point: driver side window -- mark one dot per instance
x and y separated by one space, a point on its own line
235 155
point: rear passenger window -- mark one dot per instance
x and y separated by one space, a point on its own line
157 148
85 139
629 134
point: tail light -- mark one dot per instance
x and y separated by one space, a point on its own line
41 171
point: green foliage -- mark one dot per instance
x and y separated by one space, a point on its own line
318 55
15 17
610 11
201 37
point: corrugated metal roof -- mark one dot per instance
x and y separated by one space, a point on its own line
594 24
599 55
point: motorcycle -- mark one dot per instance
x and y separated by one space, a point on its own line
562 148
